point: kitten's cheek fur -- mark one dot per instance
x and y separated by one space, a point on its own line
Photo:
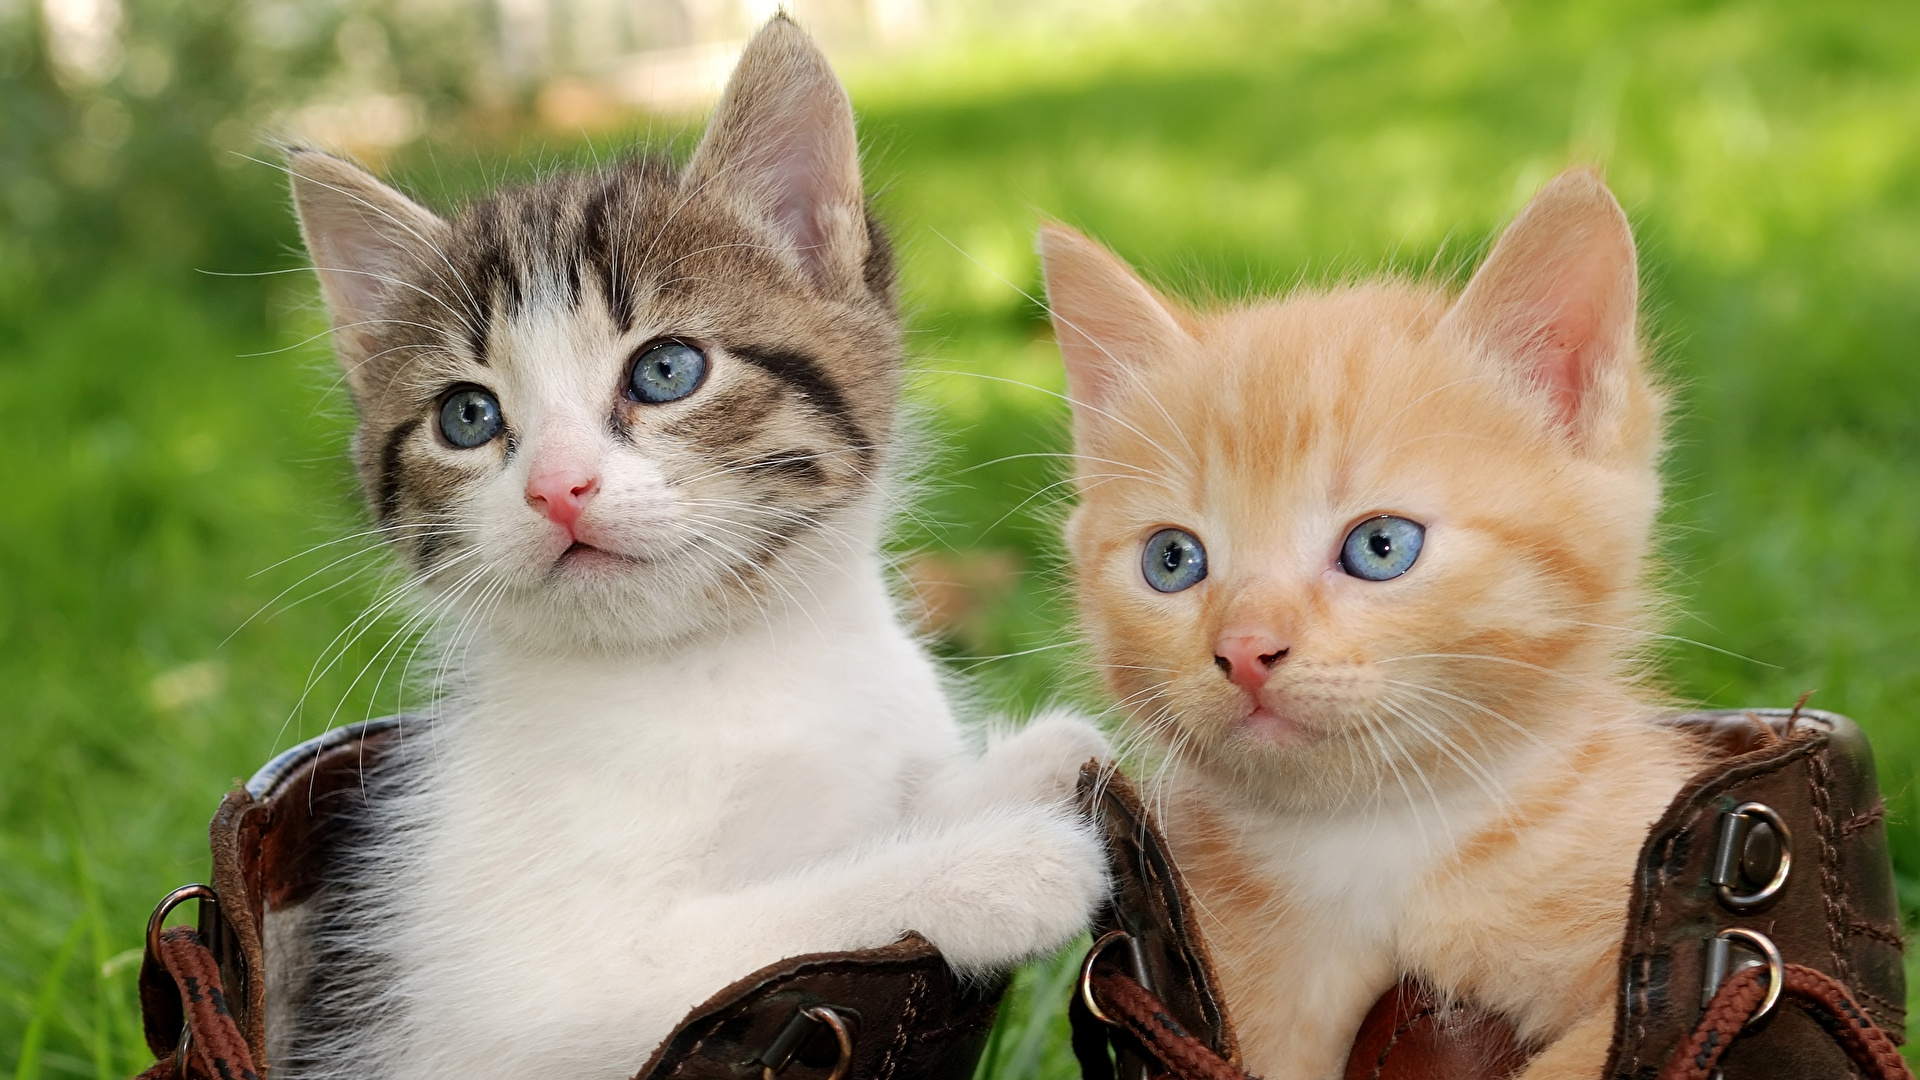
1012 886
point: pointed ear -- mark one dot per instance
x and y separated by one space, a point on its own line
782 145
1110 325
1558 296
363 237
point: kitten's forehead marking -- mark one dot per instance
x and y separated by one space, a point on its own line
1311 434
569 242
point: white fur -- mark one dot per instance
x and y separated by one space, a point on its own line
1348 878
594 846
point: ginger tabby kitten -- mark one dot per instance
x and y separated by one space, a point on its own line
1368 567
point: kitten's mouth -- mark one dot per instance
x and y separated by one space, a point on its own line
584 554
1265 725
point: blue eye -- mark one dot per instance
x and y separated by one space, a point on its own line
1382 548
667 372
470 417
1174 560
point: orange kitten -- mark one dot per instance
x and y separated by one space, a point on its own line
1368 566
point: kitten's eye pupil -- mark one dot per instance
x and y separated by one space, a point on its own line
1382 548
666 371
1174 560
470 417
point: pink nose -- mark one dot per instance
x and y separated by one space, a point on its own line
561 495
1248 658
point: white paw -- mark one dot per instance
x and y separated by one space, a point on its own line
1042 760
1018 883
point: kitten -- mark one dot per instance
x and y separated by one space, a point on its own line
627 429
1368 565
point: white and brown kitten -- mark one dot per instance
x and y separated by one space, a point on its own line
1369 565
627 430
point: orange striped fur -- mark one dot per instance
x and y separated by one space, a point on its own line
1447 774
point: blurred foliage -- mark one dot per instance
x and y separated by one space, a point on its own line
182 589
136 144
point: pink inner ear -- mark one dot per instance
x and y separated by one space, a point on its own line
784 133
1564 355
811 169
801 182
1557 294
356 256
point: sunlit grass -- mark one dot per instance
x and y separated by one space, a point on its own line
164 459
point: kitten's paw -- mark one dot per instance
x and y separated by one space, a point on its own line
1042 760
1018 883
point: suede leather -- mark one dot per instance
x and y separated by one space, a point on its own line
1406 1035
1150 903
914 1019
1837 912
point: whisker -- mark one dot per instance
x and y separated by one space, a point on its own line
1677 639
1518 728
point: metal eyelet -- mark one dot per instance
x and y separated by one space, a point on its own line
1093 955
155 922
842 1034
165 908
1735 826
1720 966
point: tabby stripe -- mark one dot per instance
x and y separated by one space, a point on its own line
878 269
797 465
597 251
805 378
430 543
390 468
493 269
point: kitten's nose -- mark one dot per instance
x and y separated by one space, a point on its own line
1247 659
561 494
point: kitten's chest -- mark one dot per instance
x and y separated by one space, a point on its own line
1306 915
1351 873
658 809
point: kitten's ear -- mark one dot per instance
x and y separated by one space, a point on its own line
364 238
1110 325
782 143
1558 295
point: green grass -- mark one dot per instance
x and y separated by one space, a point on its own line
171 441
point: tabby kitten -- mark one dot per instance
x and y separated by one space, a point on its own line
1368 565
627 429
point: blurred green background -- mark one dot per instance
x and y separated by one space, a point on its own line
173 609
